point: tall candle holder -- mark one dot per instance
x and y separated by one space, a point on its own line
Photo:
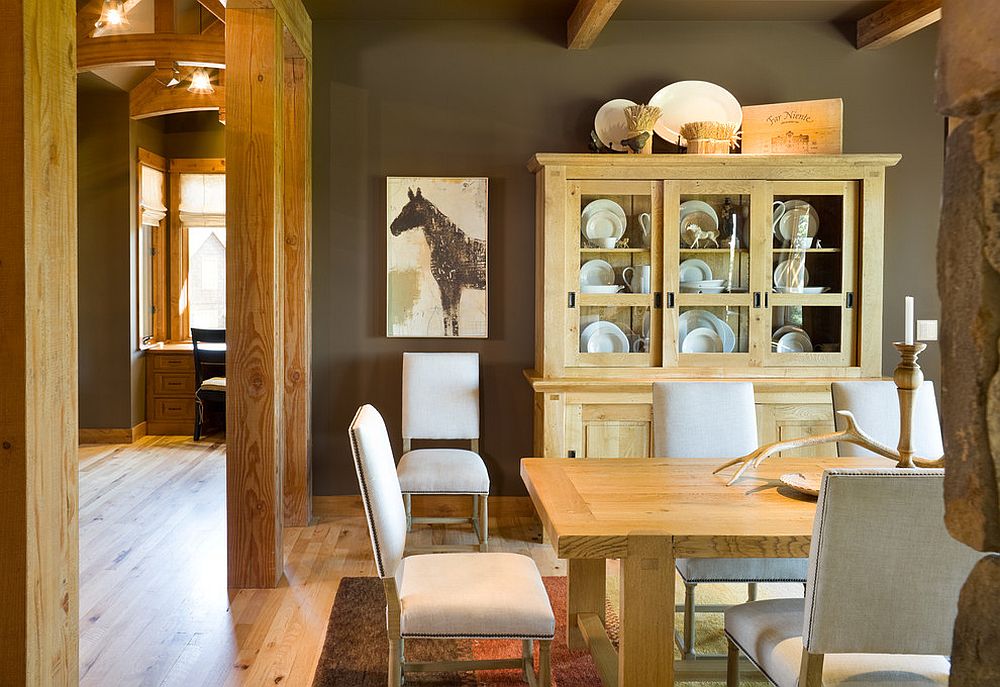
908 377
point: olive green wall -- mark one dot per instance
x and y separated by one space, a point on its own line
457 98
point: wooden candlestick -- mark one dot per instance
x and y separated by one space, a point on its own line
908 377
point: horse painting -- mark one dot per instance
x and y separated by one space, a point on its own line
457 260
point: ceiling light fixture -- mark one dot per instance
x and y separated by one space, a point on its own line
113 16
201 82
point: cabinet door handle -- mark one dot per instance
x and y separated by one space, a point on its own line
766 294
657 300
572 299
670 299
850 300
756 299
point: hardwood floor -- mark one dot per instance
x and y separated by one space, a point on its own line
154 608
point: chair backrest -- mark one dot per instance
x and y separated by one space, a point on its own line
875 405
884 575
440 395
380 492
210 359
703 419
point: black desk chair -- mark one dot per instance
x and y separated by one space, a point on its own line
209 375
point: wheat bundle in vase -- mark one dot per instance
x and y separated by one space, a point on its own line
710 137
640 120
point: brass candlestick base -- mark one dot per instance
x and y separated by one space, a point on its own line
908 377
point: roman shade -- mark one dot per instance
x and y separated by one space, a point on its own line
202 200
151 197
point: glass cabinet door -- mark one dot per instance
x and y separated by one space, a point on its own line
811 276
613 271
707 252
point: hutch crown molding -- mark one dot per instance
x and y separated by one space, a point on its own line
795 304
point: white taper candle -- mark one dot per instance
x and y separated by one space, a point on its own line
908 320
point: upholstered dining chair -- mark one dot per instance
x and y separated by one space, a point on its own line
209 374
882 593
441 402
445 595
875 405
682 413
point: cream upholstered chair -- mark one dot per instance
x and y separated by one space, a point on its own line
875 405
441 401
882 594
445 595
713 420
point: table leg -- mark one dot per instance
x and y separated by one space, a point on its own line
585 594
646 645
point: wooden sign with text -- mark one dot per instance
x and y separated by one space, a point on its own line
799 128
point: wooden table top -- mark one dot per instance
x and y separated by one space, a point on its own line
591 508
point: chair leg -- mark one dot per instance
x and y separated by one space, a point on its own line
733 665
751 591
199 414
527 660
689 620
395 662
544 663
484 522
408 505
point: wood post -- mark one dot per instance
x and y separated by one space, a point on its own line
298 291
255 297
38 382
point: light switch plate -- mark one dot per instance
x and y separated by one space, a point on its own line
927 330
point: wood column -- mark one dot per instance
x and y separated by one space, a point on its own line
298 291
38 379
255 296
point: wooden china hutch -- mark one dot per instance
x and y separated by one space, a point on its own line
816 273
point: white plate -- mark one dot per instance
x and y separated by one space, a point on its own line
800 219
808 290
800 483
694 270
795 342
781 275
692 319
601 288
781 331
596 273
702 340
610 123
604 337
602 207
691 206
693 101
701 288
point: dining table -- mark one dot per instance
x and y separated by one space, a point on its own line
646 513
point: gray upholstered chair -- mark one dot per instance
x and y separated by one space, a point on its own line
882 594
713 420
445 595
875 405
441 401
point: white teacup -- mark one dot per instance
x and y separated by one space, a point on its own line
605 243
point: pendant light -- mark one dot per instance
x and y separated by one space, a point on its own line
113 16
201 82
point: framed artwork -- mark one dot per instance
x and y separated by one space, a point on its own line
436 257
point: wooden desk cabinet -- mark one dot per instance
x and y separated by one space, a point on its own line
592 401
170 390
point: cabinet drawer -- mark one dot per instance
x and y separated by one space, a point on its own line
173 409
181 384
173 361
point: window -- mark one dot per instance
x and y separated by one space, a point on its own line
202 214
150 266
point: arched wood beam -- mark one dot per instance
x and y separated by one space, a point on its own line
293 16
151 98
146 49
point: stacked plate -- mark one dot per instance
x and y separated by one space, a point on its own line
696 277
598 276
603 222
791 339
700 331
604 337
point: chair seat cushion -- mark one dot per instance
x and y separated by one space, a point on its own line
442 471
770 634
214 384
473 595
743 569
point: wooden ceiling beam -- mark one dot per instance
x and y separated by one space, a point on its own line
896 21
587 21
145 49
293 17
217 9
89 12
151 97
163 16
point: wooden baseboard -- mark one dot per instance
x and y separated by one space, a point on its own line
112 435
428 506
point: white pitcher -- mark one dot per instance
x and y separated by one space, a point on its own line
639 282
646 224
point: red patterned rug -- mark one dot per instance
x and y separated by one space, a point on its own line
356 650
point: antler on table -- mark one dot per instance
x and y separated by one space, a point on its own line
852 434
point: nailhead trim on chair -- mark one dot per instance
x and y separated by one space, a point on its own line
366 499
475 636
750 658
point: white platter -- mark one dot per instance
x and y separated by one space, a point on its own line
795 342
781 331
800 483
693 101
799 219
781 276
694 270
691 206
604 337
597 273
610 123
692 319
702 340
601 288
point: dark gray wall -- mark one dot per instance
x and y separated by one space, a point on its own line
455 98
104 265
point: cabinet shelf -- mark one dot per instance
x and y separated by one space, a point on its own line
613 250
615 300
712 250
806 250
